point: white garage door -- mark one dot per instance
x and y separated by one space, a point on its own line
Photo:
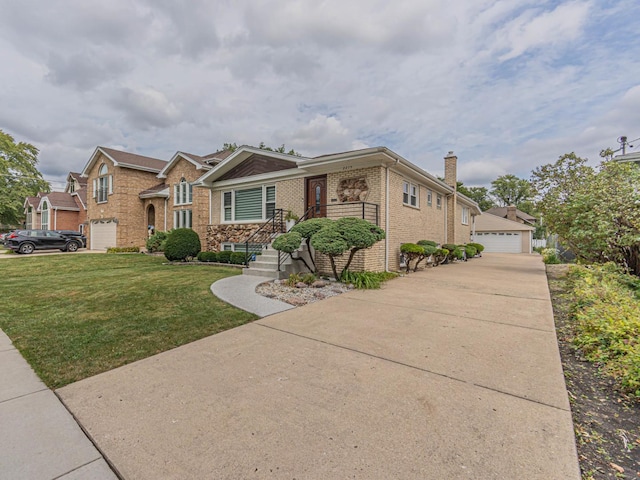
103 235
500 242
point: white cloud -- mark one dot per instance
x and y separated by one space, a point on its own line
146 107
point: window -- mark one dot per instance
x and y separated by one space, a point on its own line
465 216
429 197
410 194
182 193
103 185
182 219
29 224
44 217
72 186
439 201
250 204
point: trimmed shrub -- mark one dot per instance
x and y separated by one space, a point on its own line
310 227
156 242
551 256
224 256
237 258
424 243
455 252
208 257
181 244
478 246
288 242
411 252
440 255
470 250
123 250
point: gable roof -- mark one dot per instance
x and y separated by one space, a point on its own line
488 222
31 201
59 201
82 181
502 212
80 197
199 162
125 160
161 190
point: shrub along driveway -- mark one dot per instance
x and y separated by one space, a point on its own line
452 372
73 316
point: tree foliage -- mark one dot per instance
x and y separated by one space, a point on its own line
345 235
281 149
480 195
511 190
595 211
19 178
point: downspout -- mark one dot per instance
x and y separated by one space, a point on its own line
210 206
473 227
386 221
166 201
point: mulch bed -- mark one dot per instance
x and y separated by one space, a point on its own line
606 422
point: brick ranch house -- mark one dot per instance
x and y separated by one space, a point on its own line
226 196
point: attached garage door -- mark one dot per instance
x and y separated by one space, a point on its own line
500 242
103 235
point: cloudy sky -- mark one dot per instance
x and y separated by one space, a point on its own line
506 84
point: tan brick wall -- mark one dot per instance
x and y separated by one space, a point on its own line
408 224
463 232
124 204
200 204
290 196
374 177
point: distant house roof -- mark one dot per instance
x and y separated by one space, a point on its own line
60 201
78 178
488 222
126 160
32 202
502 212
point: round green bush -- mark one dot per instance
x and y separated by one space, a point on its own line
431 243
429 249
288 242
478 246
224 256
181 244
208 257
310 227
412 249
470 251
329 241
238 258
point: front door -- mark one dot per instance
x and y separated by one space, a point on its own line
317 196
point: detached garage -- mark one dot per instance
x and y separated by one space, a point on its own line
102 234
500 235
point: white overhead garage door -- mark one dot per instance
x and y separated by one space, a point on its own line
103 235
500 242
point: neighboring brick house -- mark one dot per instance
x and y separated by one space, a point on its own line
374 183
115 212
59 210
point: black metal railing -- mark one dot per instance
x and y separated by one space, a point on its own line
263 237
364 210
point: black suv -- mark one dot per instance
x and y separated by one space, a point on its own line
26 241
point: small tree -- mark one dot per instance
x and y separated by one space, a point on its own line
181 244
346 235
411 252
307 229
290 243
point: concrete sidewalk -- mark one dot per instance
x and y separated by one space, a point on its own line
39 439
452 372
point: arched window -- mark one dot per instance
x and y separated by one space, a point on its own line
103 186
44 216
182 193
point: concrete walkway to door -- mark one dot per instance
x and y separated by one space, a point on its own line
452 372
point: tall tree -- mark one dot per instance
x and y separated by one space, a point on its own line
594 211
480 195
511 190
19 178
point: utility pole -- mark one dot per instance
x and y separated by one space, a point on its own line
623 141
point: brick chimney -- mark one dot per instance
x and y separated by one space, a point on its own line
451 179
511 213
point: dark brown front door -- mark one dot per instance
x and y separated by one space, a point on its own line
317 196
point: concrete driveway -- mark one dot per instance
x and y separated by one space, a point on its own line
452 372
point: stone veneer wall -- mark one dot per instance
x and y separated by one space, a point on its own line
228 233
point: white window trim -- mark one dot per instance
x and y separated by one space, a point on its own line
439 201
233 205
429 197
45 213
411 189
465 216
183 218
183 191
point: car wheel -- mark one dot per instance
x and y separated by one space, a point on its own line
26 248
72 247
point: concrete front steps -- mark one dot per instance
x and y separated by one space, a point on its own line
266 265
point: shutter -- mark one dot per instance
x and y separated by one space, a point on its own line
95 188
110 184
249 204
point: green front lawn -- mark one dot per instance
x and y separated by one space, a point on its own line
73 316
